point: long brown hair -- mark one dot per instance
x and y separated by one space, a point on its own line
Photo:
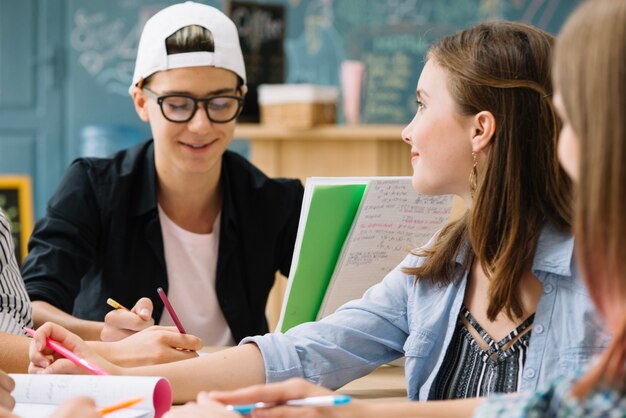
590 72
503 68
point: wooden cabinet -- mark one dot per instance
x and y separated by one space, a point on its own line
328 150
331 150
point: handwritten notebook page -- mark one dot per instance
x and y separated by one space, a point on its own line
392 220
38 395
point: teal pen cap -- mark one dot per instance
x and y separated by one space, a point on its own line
329 400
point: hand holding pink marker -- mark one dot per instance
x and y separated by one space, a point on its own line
81 362
170 309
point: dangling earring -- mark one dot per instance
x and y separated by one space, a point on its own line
473 177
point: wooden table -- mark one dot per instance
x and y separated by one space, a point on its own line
386 382
327 150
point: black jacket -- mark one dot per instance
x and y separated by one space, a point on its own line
101 237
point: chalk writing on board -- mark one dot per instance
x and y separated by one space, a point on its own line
257 24
314 56
393 60
392 220
540 17
358 12
106 48
262 37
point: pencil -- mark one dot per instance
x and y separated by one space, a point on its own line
114 304
120 405
328 400
170 309
68 354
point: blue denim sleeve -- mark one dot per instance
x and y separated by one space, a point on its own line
346 345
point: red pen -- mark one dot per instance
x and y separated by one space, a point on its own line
170 309
65 352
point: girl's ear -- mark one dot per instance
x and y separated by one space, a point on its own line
484 129
141 104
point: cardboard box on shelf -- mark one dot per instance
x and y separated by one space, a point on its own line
297 105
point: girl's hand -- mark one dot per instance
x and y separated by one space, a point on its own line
77 407
6 387
44 360
285 391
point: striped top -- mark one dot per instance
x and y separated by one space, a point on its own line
469 371
15 308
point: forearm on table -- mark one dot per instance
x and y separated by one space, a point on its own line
14 353
228 369
44 312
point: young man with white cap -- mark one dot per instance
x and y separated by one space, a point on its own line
179 211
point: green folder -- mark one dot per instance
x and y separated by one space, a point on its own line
328 222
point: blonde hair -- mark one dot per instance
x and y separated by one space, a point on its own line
590 72
190 38
504 68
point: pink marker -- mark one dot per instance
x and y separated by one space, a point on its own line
81 362
170 309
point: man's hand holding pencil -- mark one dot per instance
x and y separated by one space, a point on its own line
122 322
130 329
154 345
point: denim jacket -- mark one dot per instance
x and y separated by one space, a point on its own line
402 316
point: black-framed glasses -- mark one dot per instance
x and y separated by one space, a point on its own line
181 108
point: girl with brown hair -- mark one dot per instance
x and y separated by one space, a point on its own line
590 81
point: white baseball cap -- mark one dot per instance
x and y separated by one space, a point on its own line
152 54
